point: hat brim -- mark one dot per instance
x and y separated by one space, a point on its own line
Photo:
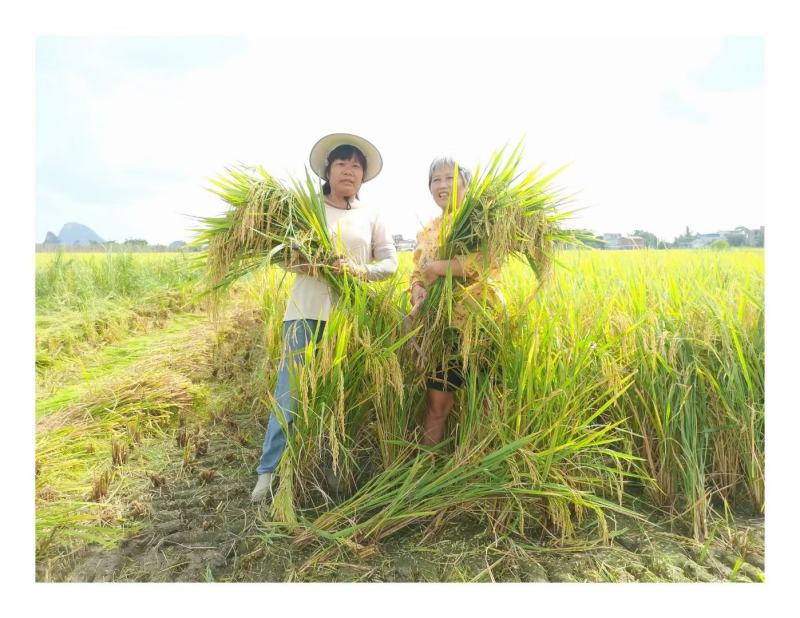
319 153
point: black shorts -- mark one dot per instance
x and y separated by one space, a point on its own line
448 376
449 380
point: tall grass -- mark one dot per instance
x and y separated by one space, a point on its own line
86 300
689 328
630 370
78 281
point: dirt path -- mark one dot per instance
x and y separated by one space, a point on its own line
198 522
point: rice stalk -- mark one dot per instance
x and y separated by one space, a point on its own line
267 223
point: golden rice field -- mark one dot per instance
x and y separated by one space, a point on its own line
615 432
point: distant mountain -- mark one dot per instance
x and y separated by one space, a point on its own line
74 233
51 239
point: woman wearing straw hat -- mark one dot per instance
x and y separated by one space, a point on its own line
478 276
343 161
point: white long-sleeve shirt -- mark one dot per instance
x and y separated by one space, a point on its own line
364 239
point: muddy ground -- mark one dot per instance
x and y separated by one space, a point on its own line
197 525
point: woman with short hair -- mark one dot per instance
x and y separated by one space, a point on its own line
475 279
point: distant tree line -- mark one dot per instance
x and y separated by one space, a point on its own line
129 245
739 237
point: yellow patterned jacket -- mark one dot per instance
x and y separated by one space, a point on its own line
480 283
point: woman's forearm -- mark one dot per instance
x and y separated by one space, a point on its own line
381 269
440 267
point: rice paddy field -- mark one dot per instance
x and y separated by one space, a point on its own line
615 432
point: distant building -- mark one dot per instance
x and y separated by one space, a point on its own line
633 242
704 240
614 240
403 244
752 237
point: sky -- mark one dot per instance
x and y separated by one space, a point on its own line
657 132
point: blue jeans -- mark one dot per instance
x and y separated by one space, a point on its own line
297 334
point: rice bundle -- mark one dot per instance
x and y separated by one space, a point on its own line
503 214
506 214
267 223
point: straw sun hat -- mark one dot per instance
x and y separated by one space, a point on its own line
319 153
